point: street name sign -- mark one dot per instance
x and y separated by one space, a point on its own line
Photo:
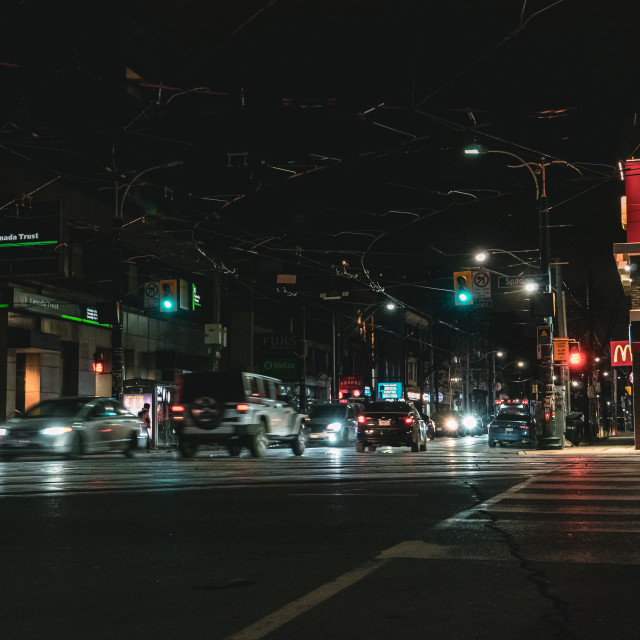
508 282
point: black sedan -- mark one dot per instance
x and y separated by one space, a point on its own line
392 424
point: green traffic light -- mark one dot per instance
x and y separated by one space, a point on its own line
463 296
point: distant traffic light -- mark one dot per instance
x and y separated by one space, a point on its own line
98 362
168 295
462 288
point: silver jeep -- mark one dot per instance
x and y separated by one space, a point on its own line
236 410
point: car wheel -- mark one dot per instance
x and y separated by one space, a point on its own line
299 444
360 447
77 447
187 448
492 444
131 445
234 450
258 441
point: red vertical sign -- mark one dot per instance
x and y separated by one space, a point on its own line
632 191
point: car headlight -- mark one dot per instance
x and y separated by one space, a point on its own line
3 431
451 423
334 426
470 422
56 431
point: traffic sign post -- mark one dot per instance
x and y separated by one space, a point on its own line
481 284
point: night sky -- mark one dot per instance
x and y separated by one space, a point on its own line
353 117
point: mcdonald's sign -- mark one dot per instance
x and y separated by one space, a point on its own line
620 353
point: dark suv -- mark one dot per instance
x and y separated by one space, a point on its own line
393 424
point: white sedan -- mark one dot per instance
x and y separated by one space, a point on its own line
72 426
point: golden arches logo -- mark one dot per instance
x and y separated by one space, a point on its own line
624 352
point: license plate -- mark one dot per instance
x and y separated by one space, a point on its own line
384 423
20 443
438 428
507 429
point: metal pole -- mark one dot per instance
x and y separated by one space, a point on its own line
334 386
303 377
552 432
493 383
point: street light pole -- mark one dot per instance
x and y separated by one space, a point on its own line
552 430
117 360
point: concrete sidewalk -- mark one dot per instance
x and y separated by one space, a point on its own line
614 445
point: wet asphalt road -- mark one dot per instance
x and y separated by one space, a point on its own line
458 542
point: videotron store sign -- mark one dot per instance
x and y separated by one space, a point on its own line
37 303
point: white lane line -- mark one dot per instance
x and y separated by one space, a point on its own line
488 504
296 608
550 497
346 494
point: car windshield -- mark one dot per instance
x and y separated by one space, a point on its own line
512 416
327 411
58 408
395 407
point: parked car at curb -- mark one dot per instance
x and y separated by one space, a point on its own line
72 426
512 428
236 410
393 424
333 423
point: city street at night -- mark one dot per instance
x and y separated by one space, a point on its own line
460 541
319 320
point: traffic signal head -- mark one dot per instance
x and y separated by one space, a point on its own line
576 358
168 296
462 288
98 362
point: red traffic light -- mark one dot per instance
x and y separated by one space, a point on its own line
575 358
98 362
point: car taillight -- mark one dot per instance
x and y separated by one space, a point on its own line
408 420
242 408
177 408
361 419
524 427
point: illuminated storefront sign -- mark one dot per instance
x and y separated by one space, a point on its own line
389 390
37 303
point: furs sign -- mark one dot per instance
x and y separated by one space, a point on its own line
620 353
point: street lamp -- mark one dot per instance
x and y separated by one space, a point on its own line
483 255
117 360
552 432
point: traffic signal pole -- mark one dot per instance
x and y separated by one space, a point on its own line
552 436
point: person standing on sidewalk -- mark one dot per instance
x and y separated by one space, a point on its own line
146 419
